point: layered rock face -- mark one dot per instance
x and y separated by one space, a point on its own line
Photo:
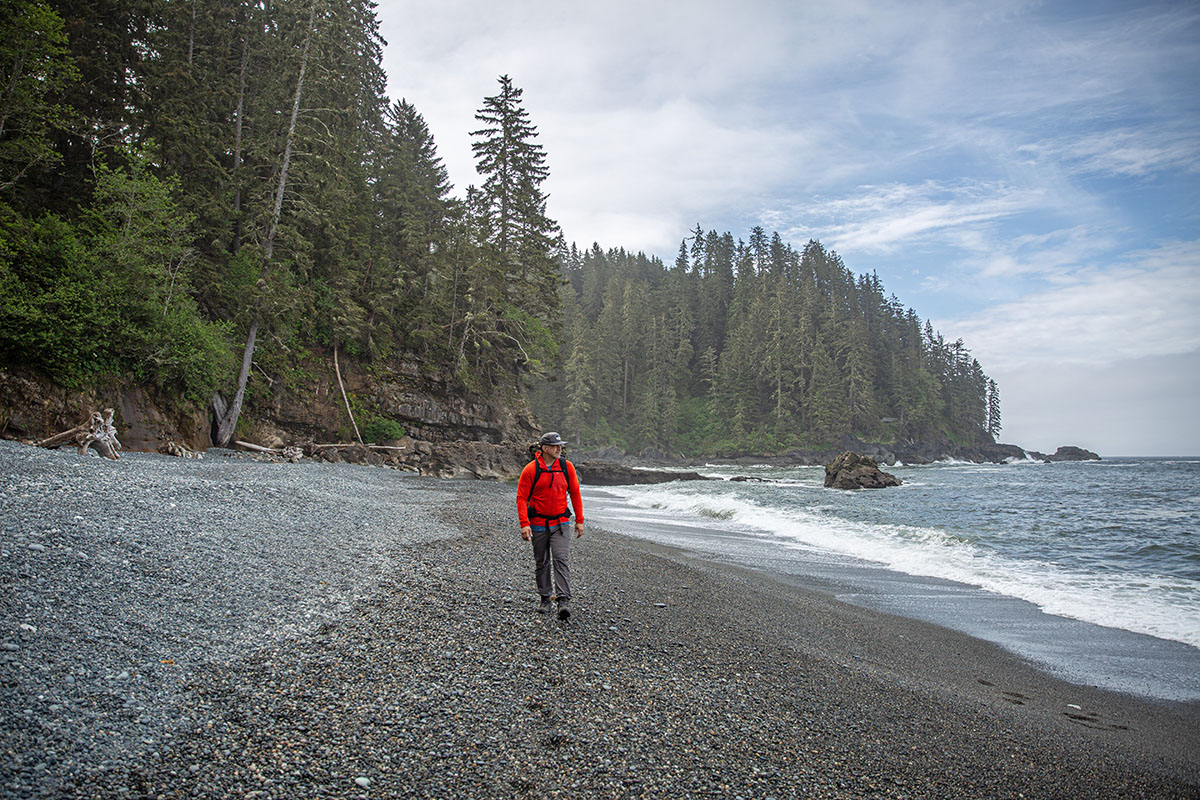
430 405
855 471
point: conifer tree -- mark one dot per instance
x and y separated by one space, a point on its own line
520 298
993 409
35 69
513 165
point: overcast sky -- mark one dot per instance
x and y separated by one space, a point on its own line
1023 174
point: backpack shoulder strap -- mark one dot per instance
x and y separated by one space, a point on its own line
538 469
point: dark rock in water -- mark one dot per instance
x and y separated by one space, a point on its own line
856 471
1071 453
602 473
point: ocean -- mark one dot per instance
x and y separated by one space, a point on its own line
1089 569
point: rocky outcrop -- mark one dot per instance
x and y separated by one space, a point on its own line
606 473
33 408
900 452
485 460
440 459
856 471
428 404
1072 453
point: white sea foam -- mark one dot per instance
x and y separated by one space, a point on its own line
1166 607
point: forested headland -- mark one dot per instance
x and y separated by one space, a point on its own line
208 198
755 347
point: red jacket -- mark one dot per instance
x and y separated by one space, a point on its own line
549 496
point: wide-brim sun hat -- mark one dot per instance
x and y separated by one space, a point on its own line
551 438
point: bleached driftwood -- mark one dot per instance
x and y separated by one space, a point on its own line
98 431
255 448
343 446
292 454
178 450
345 399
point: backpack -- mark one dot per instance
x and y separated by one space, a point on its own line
538 471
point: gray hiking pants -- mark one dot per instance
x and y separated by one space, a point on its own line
553 545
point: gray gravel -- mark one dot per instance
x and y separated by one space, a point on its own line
120 580
337 631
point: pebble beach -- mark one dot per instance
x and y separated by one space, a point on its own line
227 627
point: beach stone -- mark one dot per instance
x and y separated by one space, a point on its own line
855 471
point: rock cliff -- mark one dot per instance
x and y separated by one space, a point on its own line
429 405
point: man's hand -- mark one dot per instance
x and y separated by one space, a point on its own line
578 529
526 532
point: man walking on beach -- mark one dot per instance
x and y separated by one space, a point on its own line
542 510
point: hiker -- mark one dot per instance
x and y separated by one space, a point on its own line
542 510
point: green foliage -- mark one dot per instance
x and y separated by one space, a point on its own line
111 295
378 429
56 314
35 67
242 170
753 348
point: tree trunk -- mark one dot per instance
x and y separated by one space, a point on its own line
228 423
338 371
192 36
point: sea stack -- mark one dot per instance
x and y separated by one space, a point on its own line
1072 453
856 471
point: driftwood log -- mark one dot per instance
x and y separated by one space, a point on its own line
97 431
292 454
343 446
173 448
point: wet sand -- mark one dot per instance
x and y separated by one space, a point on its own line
1079 652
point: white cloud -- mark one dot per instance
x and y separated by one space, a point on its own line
981 150
1147 308
878 219
704 110
661 169
1054 255
1128 152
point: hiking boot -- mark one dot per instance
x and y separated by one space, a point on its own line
563 611
544 607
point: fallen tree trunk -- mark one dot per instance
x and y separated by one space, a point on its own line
98 431
342 446
292 454
345 399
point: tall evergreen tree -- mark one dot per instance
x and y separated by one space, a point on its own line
523 276
993 409
35 70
